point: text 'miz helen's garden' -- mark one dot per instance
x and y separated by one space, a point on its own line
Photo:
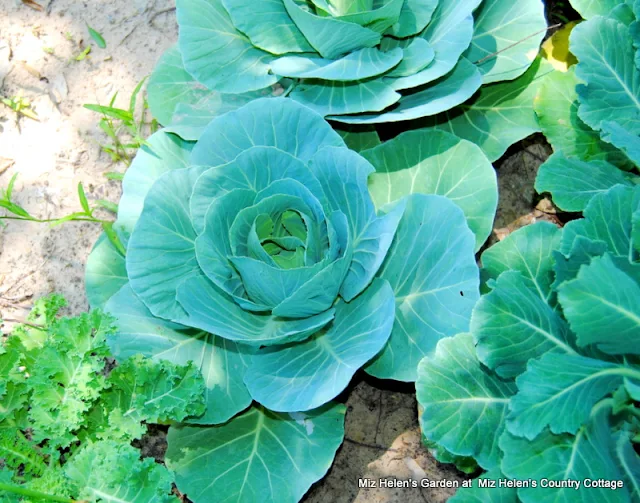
320 250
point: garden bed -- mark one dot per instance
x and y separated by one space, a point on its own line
39 52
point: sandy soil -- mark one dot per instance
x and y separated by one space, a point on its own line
51 156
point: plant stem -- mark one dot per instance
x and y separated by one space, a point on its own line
34 494
50 220
24 322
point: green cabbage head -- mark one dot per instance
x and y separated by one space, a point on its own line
352 61
280 262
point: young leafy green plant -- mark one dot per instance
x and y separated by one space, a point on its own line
66 424
281 262
590 113
17 212
20 105
126 131
546 384
362 62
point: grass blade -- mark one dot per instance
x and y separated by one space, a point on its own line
98 39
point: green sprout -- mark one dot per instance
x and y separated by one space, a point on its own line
125 128
21 106
17 212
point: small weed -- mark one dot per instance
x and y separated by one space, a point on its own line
125 128
17 212
97 38
83 54
21 106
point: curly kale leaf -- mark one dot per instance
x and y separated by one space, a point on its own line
43 315
113 471
66 376
140 389
13 386
17 452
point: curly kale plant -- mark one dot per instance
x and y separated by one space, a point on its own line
281 262
355 61
66 424
546 385
591 113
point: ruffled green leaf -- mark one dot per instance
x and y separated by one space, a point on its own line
343 175
529 252
153 391
275 33
500 115
586 455
435 162
605 52
329 36
358 65
449 34
307 375
329 98
556 106
105 272
435 279
185 106
607 218
275 122
415 15
623 139
214 311
506 37
222 58
603 306
18 453
512 324
572 386
573 183
448 92
113 472
162 153
171 84
161 251
259 455
222 363
66 376
591 8
465 404
14 389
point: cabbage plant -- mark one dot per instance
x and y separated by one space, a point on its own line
590 113
280 262
355 62
546 383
